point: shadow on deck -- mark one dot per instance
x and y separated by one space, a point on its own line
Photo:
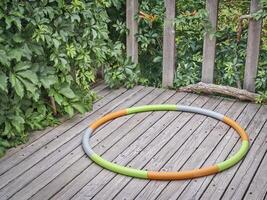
53 165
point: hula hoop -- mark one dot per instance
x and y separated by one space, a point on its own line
143 174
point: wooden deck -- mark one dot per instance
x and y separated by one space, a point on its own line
53 165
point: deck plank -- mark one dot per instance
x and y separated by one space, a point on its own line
133 188
134 149
58 168
223 150
70 149
53 164
159 150
196 160
110 101
147 120
258 186
81 164
184 151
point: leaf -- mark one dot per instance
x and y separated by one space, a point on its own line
2 151
17 38
75 17
17 126
18 119
63 61
79 107
22 66
58 98
67 92
16 54
56 43
7 128
128 71
157 59
47 81
28 85
8 21
4 58
3 82
69 110
94 34
17 85
30 75
38 50
27 52
17 22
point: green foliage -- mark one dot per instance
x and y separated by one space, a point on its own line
124 74
150 40
262 13
261 79
48 49
262 98
121 71
191 26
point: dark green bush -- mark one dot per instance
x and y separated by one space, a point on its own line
49 49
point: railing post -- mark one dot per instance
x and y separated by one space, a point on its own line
253 48
168 72
132 26
209 48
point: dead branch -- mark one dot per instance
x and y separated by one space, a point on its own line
220 89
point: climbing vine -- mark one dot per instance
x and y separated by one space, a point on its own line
49 53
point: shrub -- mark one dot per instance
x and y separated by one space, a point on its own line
49 49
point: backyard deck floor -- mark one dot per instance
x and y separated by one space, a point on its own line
53 164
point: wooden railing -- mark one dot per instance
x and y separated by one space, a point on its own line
209 46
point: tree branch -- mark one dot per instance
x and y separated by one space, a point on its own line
220 89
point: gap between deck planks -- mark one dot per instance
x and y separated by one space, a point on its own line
154 141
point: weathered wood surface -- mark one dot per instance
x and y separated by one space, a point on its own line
208 88
253 48
209 47
169 47
56 167
132 26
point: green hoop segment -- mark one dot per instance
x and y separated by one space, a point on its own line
143 174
